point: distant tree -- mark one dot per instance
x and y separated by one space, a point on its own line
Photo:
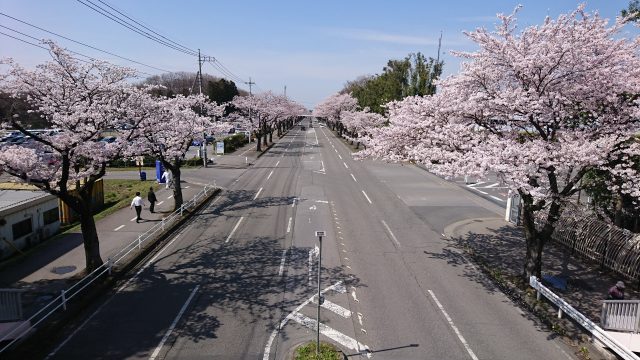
411 76
221 91
178 83
633 11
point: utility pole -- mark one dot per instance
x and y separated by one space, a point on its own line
436 64
251 98
319 234
285 91
202 59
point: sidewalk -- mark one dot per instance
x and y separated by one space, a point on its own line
57 263
500 246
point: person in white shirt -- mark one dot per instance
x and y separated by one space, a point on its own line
137 203
166 175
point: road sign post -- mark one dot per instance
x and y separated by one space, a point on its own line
319 234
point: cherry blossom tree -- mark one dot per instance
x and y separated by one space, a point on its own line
80 100
539 108
331 108
167 128
358 123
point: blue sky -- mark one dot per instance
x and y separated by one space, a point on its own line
312 47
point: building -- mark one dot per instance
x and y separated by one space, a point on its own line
27 217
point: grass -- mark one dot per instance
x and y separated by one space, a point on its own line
117 195
308 352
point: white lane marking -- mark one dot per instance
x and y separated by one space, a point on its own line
173 324
496 198
284 257
289 225
480 191
257 194
244 152
277 163
134 219
234 229
104 304
353 177
118 228
334 149
332 334
477 184
365 195
271 173
492 185
453 326
393 237
345 165
186 187
294 202
331 306
170 196
322 201
353 294
267 349
340 156
316 134
160 203
360 318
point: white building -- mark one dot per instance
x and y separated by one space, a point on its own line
26 218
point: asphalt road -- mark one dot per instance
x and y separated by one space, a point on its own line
239 281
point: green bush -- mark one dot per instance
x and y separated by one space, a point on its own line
308 352
231 143
149 161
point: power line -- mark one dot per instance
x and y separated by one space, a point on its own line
160 35
48 50
80 43
133 28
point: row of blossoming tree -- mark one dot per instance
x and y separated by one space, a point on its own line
81 100
539 107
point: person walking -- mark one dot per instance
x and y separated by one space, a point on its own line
151 196
166 175
616 292
137 203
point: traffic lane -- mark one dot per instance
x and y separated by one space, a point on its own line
491 318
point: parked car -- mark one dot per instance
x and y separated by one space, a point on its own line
210 139
196 143
108 139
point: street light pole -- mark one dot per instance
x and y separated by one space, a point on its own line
319 234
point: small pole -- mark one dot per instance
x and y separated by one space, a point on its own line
319 234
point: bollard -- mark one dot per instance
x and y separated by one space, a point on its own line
246 160
64 299
559 313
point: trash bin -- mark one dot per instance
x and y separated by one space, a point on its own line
143 175
159 171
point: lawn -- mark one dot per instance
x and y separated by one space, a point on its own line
308 352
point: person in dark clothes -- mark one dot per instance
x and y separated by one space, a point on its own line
616 292
151 196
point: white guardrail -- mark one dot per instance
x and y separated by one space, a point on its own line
595 330
65 295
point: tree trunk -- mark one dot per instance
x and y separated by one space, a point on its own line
271 136
90 237
258 139
177 188
533 256
617 209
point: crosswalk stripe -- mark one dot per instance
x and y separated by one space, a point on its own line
332 334
331 306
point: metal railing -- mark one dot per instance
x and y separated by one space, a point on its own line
621 315
11 304
590 326
612 247
66 295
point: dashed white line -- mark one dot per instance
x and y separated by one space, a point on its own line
170 196
393 237
322 201
277 163
365 195
173 324
353 177
257 194
353 294
289 225
160 203
345 164
186 187
271 173
118 228
282 261
496 198
134 219
234 229
340 156
453 326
